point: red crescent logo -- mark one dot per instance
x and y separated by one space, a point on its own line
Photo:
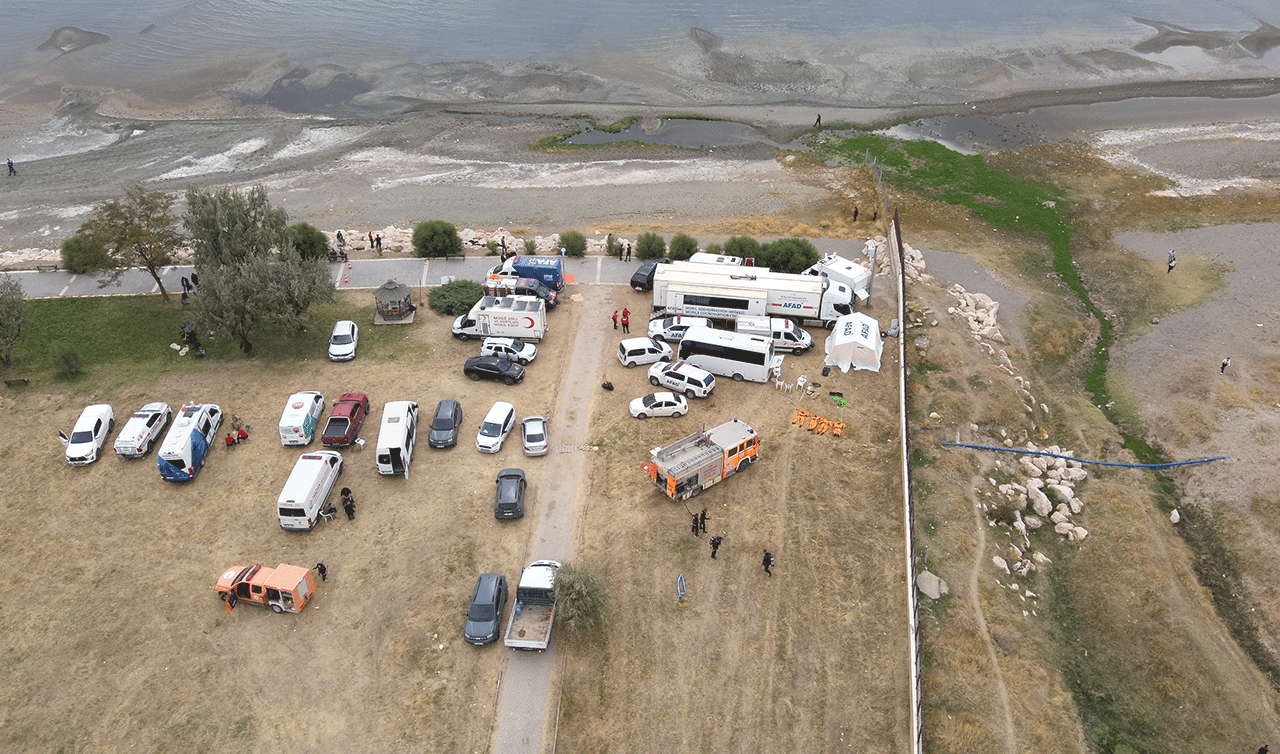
297 405
530 321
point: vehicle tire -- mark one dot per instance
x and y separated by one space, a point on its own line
509 380
678 414
642 416
151 444
737 378
111 426
524 362
745 464
654 381
660 338
475 376
463 337
695 491
277 609
831 325
630 365
690 394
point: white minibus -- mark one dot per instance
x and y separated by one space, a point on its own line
731 354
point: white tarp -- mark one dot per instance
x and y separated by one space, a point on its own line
855 342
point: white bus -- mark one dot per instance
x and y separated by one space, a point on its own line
731 354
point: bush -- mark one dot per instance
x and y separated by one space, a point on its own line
66 360
794 255
83 254
714 248
309 242
436 238
574 243
581 599
531 247
744 247
452 299
650 246
612 248
683 247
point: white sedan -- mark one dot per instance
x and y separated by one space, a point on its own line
343 341
659 404
142 430
89 435
533 430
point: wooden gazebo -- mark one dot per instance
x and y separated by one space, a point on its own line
395 302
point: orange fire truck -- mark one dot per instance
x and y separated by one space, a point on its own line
687 467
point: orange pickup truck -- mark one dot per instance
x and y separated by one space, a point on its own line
284 589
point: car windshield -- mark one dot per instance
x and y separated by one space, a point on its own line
707 382
82 436
490 429
340 340
649 400
481 612
442 422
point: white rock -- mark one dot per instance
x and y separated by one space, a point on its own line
1075 473
974 428
1039 503
1077 505
1060 517
1033 522
1059 492
1081 533
1029 468
930 585
1041 558
1000 563
1065 528
1175 517
934 415
1035 484
1040 462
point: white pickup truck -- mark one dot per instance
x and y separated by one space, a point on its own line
529 627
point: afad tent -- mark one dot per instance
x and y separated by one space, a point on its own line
855 342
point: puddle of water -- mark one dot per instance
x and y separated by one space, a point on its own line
681 132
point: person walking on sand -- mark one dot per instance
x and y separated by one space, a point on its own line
1225 363
615 319
715 545
12 169
1173 261
324 572
768 562
349 503
818 123
702 520
695 525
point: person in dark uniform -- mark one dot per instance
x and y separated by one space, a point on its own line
695 525
195 281
324 572
715 545
702 520
768 562
349 503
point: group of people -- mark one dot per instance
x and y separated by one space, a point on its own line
189 285
375 242
348 507
699 527
626 320
239 432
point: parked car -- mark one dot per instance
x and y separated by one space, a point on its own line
634 351
345 420
509 349
672 328
642 280
484 617
509 502
445 424
659 404
343 341
493 368
89 435
533 431
140 433
497 424
301 414
683 377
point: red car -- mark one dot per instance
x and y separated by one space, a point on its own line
345 420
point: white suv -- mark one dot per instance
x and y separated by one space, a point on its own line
682 378
509 349
497 424
672 328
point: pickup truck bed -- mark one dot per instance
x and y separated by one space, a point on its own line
530 626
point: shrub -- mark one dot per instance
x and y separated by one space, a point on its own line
683 247
83 254
612 248
309 241
794 255
650 246
744 247
66 360
436 238
714 248
452 299
581 599
574 243
531 247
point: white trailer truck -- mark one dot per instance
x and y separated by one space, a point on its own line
529 627
523 317
723 292
841 270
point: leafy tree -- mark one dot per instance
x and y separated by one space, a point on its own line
794 255
436 238
309 241
452 299
531 247
83 254
612 248
744 247
582 603
137 231
650 246
574 243
231 226
683 247
15 311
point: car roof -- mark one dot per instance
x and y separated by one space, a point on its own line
542 419
487 585
445 406
517 473
500 408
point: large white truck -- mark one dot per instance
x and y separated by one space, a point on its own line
841 270
529 627
725 292
523 317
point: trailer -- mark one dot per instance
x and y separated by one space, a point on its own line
523 317
529 627
685 468
731 292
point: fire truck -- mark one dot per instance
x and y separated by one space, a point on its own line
685 468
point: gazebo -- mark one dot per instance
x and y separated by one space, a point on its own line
395 303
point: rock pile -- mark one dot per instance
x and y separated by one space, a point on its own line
979 310
1049 489
474 241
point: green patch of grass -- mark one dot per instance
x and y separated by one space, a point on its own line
976 382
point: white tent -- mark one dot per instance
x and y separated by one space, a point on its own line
855 342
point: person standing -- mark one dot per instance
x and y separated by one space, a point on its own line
818 123
702 520
12 169
324 572
349 503
342 241
626 321
768 562
615 319
186 285
715 545
195 281
378 241
628 252
695 525
1173 261
370 239
1225 363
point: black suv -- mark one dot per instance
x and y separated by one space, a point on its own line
444 425
484 618
493 368
642 280
509 502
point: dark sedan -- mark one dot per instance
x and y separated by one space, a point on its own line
510 501
444 425
493 368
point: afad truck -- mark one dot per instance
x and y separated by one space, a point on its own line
841 270
726 293
547 270
685 468
529 627
523 317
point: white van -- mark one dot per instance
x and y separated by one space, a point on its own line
731 354
703 257
783 332
634 351
307 489
183 452
396 438
301 414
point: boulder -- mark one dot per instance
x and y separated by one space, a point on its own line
930 585
1059 492
1040 462
1000 563
1075 473
1027 467
1080 533
1035 483
1033 522
1175 517
1077 505
1060 517
1041 558
1039 503
1065 528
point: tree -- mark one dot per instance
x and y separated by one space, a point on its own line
714 248
574 243
83 254
683 247
452 299
15 311
138 231
650 246
530 247
612 248
436 238
229 226
310 242
794 255
744 247
582 603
